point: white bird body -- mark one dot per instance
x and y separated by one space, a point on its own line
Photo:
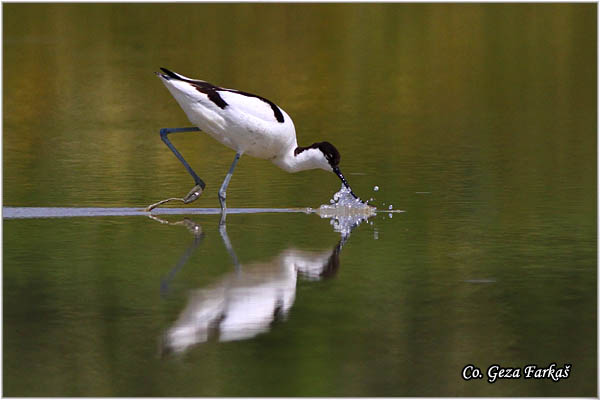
246 123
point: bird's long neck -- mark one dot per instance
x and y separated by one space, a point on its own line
294 161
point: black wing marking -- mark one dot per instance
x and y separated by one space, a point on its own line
212 92
208 89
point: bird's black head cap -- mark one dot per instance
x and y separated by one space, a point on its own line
329 151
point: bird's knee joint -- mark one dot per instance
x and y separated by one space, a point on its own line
164 132
222 195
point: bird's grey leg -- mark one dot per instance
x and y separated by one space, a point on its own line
200 185
163 135
223 190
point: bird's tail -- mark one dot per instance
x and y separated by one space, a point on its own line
168 75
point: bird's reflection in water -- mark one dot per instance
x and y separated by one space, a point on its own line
245 302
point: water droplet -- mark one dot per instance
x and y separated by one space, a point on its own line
390 207
376 188
390 215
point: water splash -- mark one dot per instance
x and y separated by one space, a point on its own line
345 211
343 202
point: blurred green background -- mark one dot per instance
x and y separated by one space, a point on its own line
478 120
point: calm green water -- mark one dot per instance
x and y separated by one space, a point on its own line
479 121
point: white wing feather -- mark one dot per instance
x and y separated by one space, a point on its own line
249 105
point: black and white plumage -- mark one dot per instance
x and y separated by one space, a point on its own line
246 123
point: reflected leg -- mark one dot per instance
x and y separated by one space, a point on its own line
164 283
228 246
223 190
196 230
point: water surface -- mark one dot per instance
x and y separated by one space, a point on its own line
476 120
